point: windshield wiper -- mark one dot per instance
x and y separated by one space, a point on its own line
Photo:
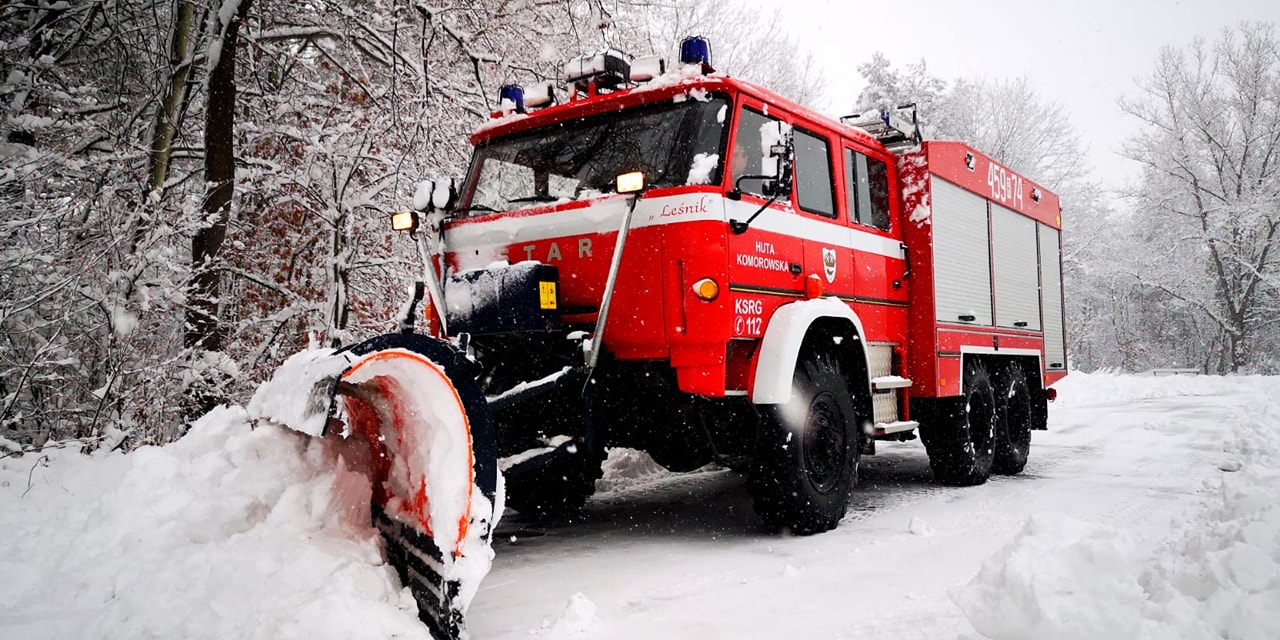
534 199
476 207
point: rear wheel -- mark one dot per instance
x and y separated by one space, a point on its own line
806 461
1013 439
961 446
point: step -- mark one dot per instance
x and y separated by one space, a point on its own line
886 428
885 383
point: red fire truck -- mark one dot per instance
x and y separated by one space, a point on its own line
688 264
782 327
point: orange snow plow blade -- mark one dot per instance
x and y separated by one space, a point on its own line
433 460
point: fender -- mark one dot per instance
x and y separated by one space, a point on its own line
780 347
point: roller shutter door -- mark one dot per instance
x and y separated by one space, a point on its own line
1055 349
961 255
1013 247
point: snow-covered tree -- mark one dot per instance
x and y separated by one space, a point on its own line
192 190
1007 119
1012 122
1209 196
889 87
746 42
90 274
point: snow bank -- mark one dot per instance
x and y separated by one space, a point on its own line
231 532
626 468
1080 389
1217 577
1060 578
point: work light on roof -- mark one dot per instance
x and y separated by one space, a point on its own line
540 95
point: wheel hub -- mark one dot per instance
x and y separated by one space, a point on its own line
824 445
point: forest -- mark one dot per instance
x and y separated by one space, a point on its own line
192 190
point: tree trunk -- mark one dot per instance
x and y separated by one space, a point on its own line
165 124
203 330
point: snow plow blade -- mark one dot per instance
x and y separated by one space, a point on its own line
432 456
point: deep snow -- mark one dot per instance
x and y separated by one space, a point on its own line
1148 510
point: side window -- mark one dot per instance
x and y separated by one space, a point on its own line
746 149
867 182
814 190
878 176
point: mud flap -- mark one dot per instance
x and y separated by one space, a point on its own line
436 489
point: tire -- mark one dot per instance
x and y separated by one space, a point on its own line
961 446
1013 436
559 489
806 460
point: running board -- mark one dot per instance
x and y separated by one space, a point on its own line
884 429
883 384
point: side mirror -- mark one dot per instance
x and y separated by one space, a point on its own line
776 144
775 174
436 195
431 196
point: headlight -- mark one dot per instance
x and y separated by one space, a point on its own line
630 182
404 220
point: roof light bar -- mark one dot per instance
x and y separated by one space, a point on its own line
609 68
895 128
540 95
646 68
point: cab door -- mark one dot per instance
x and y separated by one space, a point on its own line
878 288
766 262
820 218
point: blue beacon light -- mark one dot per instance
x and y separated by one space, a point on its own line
695 50
514 93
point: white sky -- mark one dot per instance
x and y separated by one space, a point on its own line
1084 54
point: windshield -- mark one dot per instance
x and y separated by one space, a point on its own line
673 143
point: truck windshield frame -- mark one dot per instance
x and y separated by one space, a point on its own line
673 143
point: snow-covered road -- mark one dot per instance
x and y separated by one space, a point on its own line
1150 509
683 556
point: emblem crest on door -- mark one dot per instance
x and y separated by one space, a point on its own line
829 263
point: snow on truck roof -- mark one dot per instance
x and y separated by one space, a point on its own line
674 83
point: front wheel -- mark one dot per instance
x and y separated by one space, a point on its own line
806 461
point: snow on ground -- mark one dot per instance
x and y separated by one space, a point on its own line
1149 510
1113 531
1218 576
231 532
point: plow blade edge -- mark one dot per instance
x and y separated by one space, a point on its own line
433 459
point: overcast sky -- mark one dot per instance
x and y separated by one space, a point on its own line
1084 53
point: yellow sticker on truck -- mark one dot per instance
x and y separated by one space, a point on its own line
547 295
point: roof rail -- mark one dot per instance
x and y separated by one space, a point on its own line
896 128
